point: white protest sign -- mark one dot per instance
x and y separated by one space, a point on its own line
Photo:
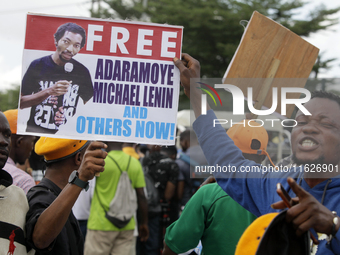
100 79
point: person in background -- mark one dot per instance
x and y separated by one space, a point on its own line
164 173
13 202
81 208
129 148
174 203
103 237
190 150
38 165
211 215
21 148
141 150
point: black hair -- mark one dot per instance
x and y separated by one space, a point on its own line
185 135
324 94
169 150
188 135
70 27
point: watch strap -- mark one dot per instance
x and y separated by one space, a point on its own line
80 183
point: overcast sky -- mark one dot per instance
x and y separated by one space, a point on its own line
13 22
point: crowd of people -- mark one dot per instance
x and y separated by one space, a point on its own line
66 211
70 194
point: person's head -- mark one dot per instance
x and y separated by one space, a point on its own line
56 151
5 139
141 149
114 146
169 151
184 140
187 138
69 39
251 138
316 138
128 145
153 148
21 145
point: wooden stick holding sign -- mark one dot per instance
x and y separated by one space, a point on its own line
274 66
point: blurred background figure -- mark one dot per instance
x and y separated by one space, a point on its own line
21 148
163 172
81 208
103 237
211 215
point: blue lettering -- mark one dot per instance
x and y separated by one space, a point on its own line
140 128
143 112
172 136
127 112
99 128
90 122
135 112
108 127
126 125
81 124
162 131
149 129
117 127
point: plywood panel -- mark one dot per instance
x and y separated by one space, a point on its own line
263 44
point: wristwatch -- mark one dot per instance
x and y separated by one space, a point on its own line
74 179
335 223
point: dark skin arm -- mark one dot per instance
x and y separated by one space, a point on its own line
210 179
180 190
58 89
53 219
307 213
143 228
167 250
190 68
169 191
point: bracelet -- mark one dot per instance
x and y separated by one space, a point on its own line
335 223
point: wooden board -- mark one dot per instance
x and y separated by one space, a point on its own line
269 50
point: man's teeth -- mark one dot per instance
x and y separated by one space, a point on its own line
308 143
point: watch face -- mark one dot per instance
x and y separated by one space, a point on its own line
75 180
73 175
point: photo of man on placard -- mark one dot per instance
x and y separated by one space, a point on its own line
53 84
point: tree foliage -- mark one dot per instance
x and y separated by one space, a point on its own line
212 29
9 98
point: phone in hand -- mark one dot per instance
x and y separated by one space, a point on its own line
284 195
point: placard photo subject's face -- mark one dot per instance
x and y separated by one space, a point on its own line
68 46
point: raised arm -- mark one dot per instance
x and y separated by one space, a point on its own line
190 69
53 219
143 228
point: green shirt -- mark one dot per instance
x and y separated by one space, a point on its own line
212 217
106 185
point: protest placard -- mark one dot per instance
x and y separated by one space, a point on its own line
270 55
98 79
